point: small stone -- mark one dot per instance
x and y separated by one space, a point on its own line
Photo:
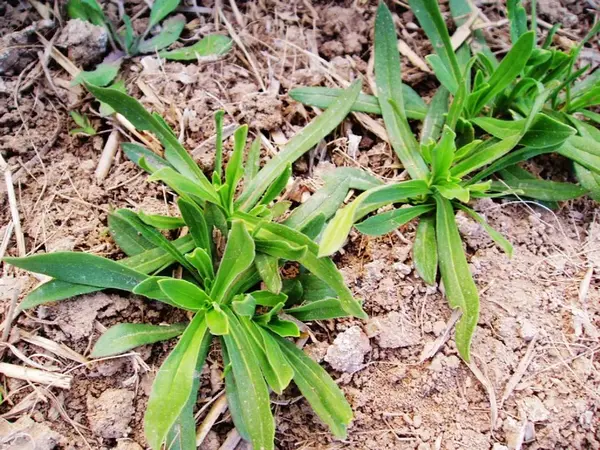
527 330
348 350
529 433
585 420
417 420
452 362
436 364
424 446
85 42
394 331
27 434
109 415
535 409
498 446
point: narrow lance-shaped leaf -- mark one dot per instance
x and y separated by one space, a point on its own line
310 136
425 251
388 221
146 262
212 45
126 336
161 9
430 18
502 242
458 283
252 390
175 382
81 268
389 93
321 392
322 97
268 268
126 236
170 31
435 118
238 256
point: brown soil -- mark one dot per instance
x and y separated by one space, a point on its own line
406 384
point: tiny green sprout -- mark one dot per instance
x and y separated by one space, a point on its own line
128 44
84 124
236 295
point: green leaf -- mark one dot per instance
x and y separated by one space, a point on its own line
589 180
494 151
156 237
544 132
161 9
146 262
442 73
161 222
517 18
200 259
327 200
268 268
138 153
327 308
321 392
583 150
338 229
274 366
277 187
245 307
211 45
234 171
252 392
170 31
101 76
126 336
431 20
184 186
81 268
389 93
310 136
133 110
280 249
551 191
442 156
425 252
184 294
322 97
232 393
461 11
238 256
84 123
217 321
459 286
174 382
436 116
389 221
194 218
320 267
454 190
508 70
252 162
126 236
500 240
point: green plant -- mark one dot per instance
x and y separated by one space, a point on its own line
84 124
501 96
566 110
127 44
218 287
448 165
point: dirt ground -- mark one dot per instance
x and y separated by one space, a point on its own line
535 377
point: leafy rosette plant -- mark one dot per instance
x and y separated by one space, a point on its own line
566 121
219 287
126 43
447 167
502 95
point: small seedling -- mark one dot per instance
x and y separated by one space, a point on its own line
84 124
218 287
127 44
